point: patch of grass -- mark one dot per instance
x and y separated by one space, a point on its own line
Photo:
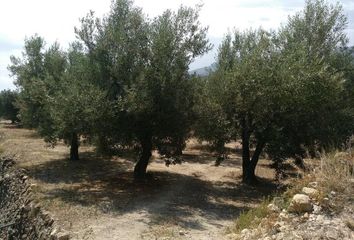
335 178
297 185
336 171
251 218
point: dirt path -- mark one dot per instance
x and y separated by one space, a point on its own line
97 198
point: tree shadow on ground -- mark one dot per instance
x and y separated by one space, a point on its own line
108 186
90 168
209 159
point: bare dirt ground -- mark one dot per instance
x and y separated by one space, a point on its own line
97 198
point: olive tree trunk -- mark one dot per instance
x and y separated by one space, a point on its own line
141 165
249 163
74 147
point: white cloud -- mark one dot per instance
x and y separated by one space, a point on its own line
52 19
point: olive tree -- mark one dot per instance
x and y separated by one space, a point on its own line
77 107
143 67
8 108
160 105
284 87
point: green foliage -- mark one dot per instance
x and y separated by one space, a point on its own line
164 96
8 108
77 106
283 91
314 55
252 218
57 95
126 82
117 46
36 76
143 66
28 73
212 121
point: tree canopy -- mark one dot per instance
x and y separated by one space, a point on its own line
8 107
281 92
125 82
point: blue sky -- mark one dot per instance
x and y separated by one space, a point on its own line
55 20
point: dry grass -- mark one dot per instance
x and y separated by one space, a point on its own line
251 218
334 174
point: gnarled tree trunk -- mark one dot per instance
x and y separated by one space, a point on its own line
74 147
249 164
141 165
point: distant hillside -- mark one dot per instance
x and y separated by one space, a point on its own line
205 71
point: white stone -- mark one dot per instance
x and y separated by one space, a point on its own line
313 184
310 192
316 209
63 236
53 234
300 204
320 218
273 208
245 231
283 216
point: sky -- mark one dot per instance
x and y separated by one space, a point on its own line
55 20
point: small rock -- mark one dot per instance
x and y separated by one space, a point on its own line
306 216
181 233
333 193
280 236
310 192
283 216
313 184
333 235
319 218
246 234
53 234
300 204
326 222
278 224
283 228
273 208
316 209
63 236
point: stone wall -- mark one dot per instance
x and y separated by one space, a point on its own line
20 216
